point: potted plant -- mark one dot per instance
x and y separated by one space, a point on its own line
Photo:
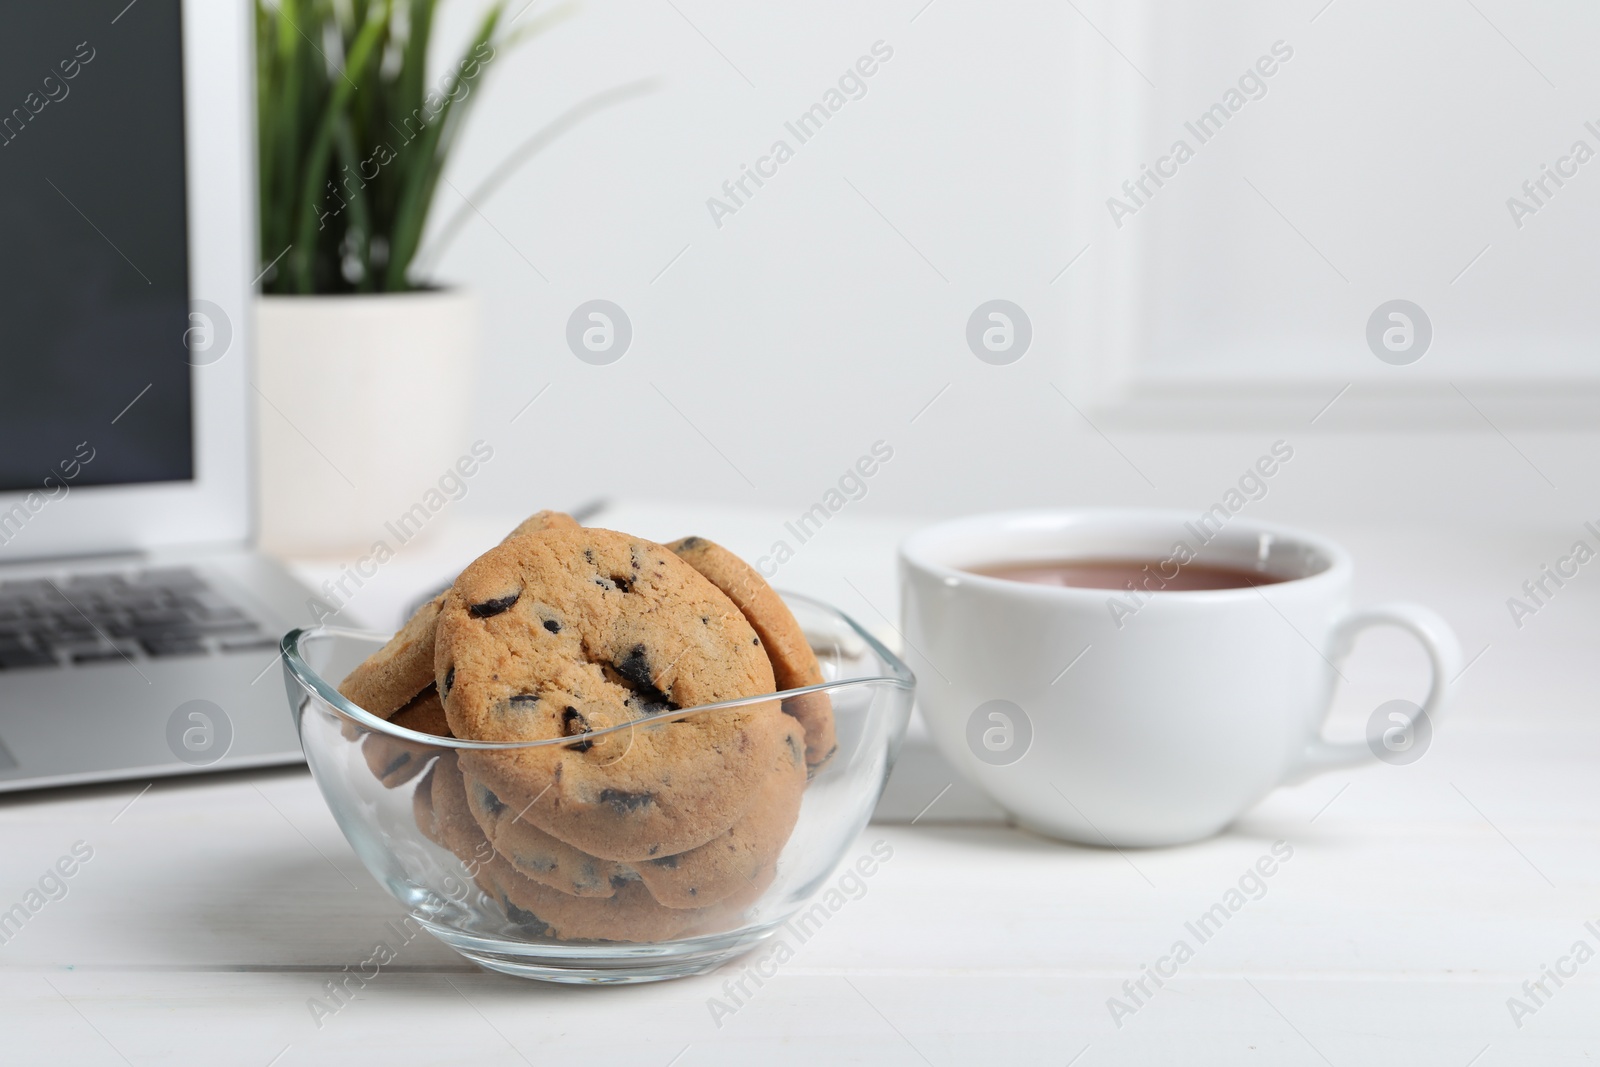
364 366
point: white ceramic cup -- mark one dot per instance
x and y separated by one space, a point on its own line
1155 722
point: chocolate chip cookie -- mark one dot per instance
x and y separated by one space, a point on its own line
391 677
452 821
741 858
394 676
559 633
394 761
387 680
794 665
544 520
541 856
630 914
744 858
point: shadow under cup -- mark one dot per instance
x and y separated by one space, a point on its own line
1130 717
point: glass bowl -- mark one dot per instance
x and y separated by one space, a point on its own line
399 796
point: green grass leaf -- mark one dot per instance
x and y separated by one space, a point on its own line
354 136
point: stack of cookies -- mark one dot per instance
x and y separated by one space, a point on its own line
649 824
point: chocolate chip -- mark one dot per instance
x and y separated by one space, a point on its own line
618 881
572 724
520 917
449 680
490 608
537 863
624 585
635 672
399 761
669 862
625 803
755 640
635 667
525 698
553 626
487 798
690 542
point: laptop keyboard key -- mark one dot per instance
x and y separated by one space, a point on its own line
159 617
14 657
264 643
162 648
240 626
96 655
95 581
171 578
68 630
20 587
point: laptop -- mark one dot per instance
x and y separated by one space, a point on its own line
138 631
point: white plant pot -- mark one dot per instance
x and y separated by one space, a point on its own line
361 406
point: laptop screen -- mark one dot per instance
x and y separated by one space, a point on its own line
94 271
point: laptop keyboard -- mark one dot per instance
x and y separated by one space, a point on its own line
97 618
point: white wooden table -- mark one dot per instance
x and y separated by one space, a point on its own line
1417 901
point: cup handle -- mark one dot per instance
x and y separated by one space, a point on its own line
1444 656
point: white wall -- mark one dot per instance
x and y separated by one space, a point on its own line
829 310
